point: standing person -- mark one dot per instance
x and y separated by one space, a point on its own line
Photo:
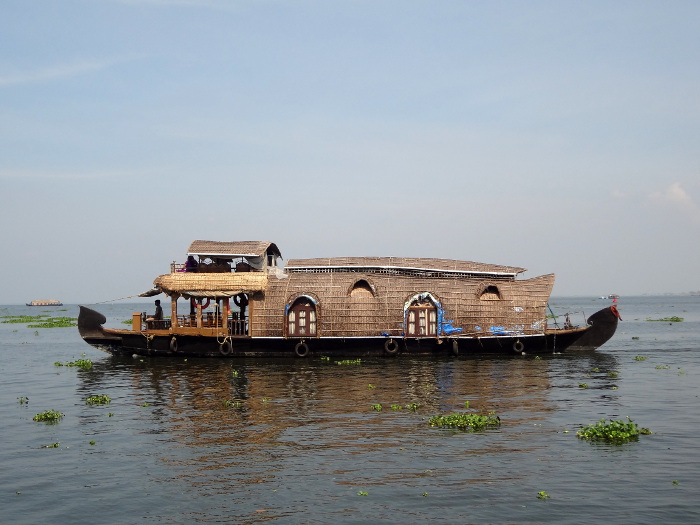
190 264
159 311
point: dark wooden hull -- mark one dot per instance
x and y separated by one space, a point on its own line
166 343
603 325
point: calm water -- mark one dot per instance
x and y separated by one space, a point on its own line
304 446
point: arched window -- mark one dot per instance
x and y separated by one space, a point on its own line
362 289
421 318
490 293
301 318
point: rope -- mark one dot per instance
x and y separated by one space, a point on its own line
554 317
226 338
112 300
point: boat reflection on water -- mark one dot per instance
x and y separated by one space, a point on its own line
203 402
292 424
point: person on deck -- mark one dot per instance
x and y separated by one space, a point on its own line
158 316
190 264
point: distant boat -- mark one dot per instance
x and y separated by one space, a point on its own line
45 302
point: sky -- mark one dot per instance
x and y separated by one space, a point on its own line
558 136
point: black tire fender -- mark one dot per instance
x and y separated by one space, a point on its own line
301 349
226 348
391 347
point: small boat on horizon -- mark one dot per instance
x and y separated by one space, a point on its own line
237 299
45 302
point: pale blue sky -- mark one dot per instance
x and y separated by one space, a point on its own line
557 136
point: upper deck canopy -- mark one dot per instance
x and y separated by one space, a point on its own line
233 250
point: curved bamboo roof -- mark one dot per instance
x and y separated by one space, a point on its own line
402 263
232 250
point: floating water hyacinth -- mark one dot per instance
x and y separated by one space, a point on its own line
41 321
468 422
614 432
49 416
349 362
80 363
98 399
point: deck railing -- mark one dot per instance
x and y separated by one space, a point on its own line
235 326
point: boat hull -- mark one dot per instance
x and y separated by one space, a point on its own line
603 325
168 343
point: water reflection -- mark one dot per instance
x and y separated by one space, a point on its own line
311 421
272 397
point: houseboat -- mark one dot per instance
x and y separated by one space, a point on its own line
237 299
45 302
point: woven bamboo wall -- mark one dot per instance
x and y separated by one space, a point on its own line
521 305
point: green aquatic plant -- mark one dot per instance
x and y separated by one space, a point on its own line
22 319
464 421
362 493
614 432
542 495
80 363
98 399
613 375
371 387
55 322
92 441
412 406
396 407
325 358
640 358
349 362
49 416
52 445
583 385
376 406
674 319
234 373
23 400
635 338
425 494
662 367
466 404
675 482
230 403
596 369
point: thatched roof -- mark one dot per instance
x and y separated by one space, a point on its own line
211 284
232 250
401 263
